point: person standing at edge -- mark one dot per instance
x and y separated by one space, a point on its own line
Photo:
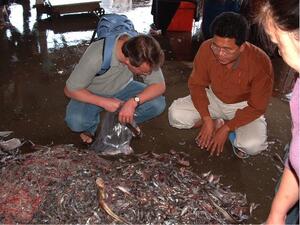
230 87
281 22
116 90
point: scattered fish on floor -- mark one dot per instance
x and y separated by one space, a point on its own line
63 184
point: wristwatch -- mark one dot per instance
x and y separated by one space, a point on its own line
137 99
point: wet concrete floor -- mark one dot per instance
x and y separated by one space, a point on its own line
37 57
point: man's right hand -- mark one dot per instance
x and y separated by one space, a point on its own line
206 132
111 104
84 95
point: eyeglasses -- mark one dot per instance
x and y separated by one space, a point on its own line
226 51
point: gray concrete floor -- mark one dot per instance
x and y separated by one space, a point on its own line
37 57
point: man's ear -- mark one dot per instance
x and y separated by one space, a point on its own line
126 61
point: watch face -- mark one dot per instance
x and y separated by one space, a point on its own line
137 99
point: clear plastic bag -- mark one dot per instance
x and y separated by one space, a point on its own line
114 137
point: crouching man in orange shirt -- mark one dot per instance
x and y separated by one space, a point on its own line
230 87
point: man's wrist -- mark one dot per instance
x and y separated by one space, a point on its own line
206 118
226 128
134 103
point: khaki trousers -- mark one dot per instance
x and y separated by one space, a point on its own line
252 137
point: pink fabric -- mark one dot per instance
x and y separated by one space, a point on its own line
295 147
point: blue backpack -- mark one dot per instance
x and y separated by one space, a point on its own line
108 28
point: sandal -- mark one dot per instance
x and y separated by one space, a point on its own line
238 152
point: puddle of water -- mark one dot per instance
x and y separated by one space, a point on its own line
67 2
140 15
139 12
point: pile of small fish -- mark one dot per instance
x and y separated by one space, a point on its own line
63 184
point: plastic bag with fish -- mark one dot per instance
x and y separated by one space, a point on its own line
114 137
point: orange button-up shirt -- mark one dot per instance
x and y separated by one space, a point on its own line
250 79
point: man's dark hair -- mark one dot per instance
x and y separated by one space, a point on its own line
231 25
143 48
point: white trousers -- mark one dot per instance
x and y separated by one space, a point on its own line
251 138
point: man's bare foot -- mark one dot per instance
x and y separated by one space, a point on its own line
86 137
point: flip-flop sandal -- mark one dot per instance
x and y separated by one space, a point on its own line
238 152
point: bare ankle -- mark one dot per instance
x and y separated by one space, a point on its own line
86 137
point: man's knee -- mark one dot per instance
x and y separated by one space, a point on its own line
159 105
150 109
179 119
254 146
82 117
74 122
253 137
78 123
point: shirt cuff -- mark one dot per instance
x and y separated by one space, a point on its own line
232 126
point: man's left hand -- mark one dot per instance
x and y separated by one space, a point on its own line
127 111
218 141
